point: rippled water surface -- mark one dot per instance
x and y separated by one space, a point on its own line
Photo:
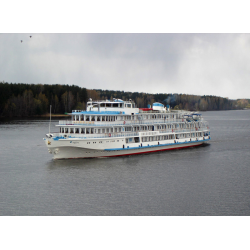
208 180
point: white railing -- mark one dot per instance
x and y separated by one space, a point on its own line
92 136
120 123
149 133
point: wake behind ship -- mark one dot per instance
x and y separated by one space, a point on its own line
116 128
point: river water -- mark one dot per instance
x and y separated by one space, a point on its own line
207 180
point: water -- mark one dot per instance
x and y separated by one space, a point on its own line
208 180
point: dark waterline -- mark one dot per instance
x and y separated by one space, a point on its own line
209 180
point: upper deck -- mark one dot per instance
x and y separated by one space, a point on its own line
117 105
120 113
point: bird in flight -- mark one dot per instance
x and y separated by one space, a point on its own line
21 41
30 36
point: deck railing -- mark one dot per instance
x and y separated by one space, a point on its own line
122 123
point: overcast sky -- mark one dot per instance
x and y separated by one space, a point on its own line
200 64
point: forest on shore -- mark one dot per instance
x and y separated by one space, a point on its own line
25 100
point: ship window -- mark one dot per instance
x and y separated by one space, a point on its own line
98 118
137 139
128 129
103 130
102 105
77 130
128 105
115 105
87 118
87 130
99 131
82 130
108 105
71 130
103 118
93 118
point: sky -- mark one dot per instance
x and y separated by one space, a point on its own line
199 64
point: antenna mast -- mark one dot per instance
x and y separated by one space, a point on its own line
50 118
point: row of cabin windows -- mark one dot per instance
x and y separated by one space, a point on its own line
157 138
115 105
100 118
126 129
105 130
171 137
111 105
89 130
101 130
95 118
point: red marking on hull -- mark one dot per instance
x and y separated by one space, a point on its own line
146 109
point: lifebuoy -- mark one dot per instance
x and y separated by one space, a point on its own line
124 122
109 135
172 131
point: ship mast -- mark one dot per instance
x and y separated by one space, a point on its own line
50 118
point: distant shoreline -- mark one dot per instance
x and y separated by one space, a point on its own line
36 116
52 115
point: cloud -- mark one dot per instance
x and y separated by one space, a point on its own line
202 64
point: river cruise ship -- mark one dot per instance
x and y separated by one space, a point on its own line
117 128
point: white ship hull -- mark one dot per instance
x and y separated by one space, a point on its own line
71 152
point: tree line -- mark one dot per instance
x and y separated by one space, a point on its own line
19 99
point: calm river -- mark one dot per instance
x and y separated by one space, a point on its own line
208 180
